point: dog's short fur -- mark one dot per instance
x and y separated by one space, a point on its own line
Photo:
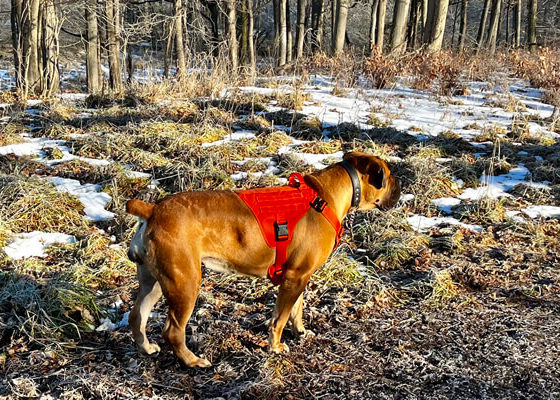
217 229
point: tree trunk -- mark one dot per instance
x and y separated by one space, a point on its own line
334 19
300 32
232 34
517 22
435 24
317 9
16 21
425 6
482 26
178 35
283 41
494 22
50 79
244 44
373 25
382 10
250 41
532 25
463 32
111 13
35 30
31 43
398 33
415 15
92 46
342 17
289 38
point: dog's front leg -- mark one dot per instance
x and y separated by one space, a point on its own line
288 293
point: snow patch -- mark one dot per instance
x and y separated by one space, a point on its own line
421 223
445 204
542 211
35 244
94 201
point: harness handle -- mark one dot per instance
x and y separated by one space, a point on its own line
295 180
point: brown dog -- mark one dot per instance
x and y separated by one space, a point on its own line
217 229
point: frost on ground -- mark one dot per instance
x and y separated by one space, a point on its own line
464 269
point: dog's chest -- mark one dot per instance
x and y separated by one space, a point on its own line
218 265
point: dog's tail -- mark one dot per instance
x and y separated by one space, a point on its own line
140 208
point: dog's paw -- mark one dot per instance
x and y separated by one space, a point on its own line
307 335
200 362
280 348
150 348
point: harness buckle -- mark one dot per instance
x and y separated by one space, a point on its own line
318 204
281 231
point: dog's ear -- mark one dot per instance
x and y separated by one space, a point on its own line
371 166
377 174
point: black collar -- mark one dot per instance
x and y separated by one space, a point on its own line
356 186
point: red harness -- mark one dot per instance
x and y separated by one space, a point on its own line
278 210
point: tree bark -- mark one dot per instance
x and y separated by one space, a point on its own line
435 25
111 13
35 31
463 32
300 32
373 25
283 41
317 9
92 46
398 33
482 26
494 22
31 43
517 22
381 12
178 35
342 17
16 21
250 41
49 45
289 38
232 34
532 25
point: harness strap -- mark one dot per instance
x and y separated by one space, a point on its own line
276 270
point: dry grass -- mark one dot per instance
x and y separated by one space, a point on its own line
30 204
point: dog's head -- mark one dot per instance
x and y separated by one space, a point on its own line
379 188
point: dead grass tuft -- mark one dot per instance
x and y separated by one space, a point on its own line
30 204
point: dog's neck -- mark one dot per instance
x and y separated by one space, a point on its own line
340 188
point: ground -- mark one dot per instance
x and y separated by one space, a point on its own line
454 293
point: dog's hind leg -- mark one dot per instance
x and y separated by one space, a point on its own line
181 294
149 293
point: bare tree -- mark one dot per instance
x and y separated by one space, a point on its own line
398 33
381 12
283 33
340 33
435 24
463 29
373 25
178 34
317 13
482 25
112 25
532 25
232 33
300 32
517 23
93 65
35 29
494 22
